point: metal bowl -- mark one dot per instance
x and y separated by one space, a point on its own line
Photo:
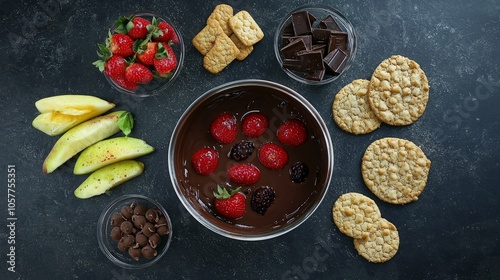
294 203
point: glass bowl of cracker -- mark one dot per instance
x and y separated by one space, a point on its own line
315 44
142 54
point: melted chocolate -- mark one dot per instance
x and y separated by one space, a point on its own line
292 199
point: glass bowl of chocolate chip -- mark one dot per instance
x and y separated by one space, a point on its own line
315 44
134 231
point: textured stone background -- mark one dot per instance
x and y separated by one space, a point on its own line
451 232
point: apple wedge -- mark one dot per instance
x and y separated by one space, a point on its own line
61 112
80 137
109 177
110 151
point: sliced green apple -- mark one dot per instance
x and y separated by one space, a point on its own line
80 137
110 151
61 112
109 177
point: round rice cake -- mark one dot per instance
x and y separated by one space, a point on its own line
351 109
380 246
395 170
399 91
356 215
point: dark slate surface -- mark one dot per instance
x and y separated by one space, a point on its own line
452 232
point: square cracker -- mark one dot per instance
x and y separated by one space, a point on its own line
222 13
244 50
245 28
205 39
221 55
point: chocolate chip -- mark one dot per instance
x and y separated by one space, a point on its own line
126 227
152 216
117 219
135 253
139 221
116 233
127 212
154 240
140 209
148 252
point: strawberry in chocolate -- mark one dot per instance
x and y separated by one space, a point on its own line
205 161
254 124
224 128
243 173
292 132
273 156
230 203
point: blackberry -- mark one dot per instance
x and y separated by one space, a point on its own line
262 198
299 172
242 150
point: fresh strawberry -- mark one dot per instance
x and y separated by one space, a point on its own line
124 83
224 128
115 66
165 60
134 26
138 73
254 124
292 132
120 44
230 203
273 156
205 161
167 33
147 56
243 173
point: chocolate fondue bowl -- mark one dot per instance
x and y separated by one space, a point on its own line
294 202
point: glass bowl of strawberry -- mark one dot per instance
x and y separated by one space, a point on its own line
142 55
251 159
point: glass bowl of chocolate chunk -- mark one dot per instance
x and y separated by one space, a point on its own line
315 44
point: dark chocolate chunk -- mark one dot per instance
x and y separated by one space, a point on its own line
311 61
338 40
335 61
290 50
316 75
321 35
292 63
301 23
329 23
320 47
288 30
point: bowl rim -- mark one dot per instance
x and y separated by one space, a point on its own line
353 42
103 222
180 57
228 86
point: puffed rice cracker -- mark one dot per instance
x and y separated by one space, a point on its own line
395 170
381 245
356 215
351 109
399 91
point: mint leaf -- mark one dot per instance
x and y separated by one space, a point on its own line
126 123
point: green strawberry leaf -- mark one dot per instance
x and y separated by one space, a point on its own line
126 123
